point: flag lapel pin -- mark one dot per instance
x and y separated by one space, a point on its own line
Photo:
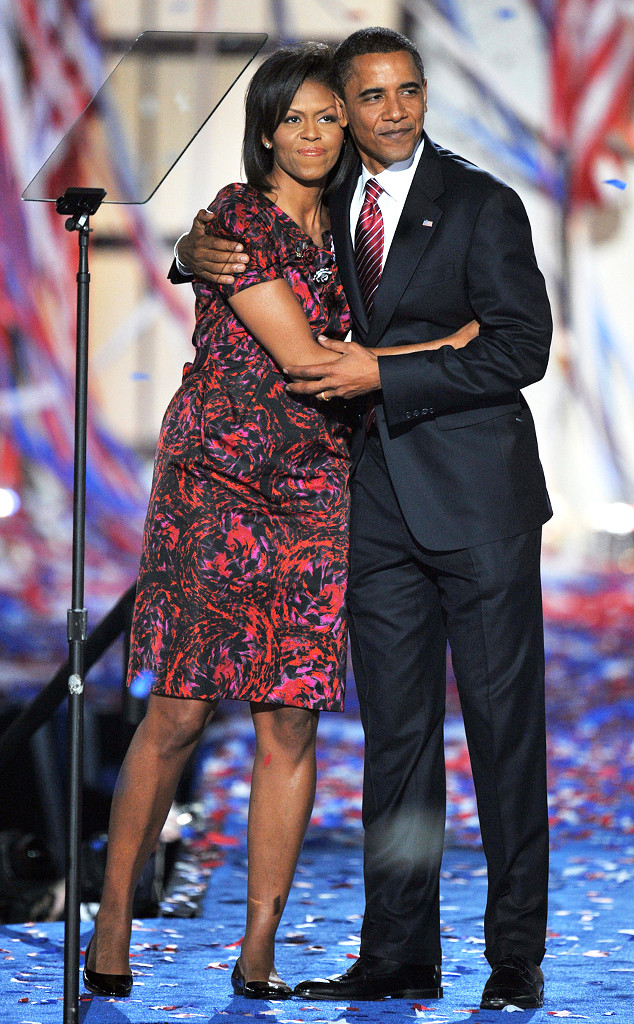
428 223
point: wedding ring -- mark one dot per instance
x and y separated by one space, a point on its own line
322 396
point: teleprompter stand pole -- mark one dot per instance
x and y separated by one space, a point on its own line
78 204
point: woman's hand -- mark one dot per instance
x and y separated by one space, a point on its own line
210 259
462 337
458 339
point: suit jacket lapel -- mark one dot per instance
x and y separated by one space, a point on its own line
416 226
344 252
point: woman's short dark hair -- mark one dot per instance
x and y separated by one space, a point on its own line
268 99
370 40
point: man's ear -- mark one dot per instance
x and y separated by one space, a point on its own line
341 111
425 93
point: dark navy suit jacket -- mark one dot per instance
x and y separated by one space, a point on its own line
458 436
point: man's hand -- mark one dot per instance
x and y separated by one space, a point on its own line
209 258
355 373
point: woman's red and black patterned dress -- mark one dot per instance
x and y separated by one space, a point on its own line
245 549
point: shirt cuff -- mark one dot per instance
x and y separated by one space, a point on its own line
185 271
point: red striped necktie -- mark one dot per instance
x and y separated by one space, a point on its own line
368 243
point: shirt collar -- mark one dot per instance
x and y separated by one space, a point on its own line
397 178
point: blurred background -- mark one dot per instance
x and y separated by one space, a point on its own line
541 93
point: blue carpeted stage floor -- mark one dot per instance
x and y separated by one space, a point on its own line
182 967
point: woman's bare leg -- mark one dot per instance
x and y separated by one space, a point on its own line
282 797
143 796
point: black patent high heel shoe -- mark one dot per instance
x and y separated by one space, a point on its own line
117 985
258 989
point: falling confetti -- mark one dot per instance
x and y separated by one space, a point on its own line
142 684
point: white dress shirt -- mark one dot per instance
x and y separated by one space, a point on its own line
395 182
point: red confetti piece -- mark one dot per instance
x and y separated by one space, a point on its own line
24 999
267 760
221 840
234 945
352 956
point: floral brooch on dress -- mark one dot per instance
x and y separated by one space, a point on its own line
305 254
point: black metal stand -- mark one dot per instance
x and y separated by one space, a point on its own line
117 622
78 204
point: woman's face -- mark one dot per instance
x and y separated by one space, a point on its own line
307 142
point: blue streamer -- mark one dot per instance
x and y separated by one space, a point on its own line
452 12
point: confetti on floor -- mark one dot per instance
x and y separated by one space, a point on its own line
182 966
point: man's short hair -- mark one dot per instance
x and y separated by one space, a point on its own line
371 40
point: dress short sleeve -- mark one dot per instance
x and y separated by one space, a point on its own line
241 213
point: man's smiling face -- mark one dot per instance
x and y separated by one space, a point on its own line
385 104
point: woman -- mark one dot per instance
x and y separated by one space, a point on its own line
243 572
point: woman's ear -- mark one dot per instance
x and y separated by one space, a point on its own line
266 142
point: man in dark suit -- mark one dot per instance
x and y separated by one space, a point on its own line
448 500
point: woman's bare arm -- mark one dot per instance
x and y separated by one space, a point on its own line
457 340
273 315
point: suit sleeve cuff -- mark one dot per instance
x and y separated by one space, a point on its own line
403 398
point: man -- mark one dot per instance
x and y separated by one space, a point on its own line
448 500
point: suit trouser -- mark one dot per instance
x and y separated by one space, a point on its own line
404 603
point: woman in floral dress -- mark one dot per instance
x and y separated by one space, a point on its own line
243 570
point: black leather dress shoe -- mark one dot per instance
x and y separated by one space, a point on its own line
514 981
374 977
116 986
258 989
